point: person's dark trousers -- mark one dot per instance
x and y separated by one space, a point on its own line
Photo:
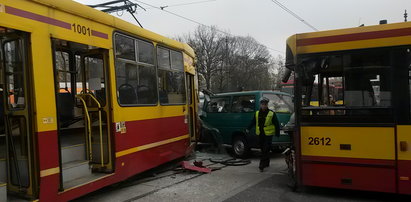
265 146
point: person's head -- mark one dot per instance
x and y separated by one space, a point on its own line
264 103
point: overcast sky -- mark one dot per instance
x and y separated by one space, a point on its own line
263 19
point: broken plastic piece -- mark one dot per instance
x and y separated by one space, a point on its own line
187 165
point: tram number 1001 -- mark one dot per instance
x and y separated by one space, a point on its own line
319 141
81 29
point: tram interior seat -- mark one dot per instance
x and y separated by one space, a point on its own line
127 94
163 96
144 95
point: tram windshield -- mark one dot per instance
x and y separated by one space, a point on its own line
349 83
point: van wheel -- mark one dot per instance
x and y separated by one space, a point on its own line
240 147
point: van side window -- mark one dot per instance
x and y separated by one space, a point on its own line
218 105
245 103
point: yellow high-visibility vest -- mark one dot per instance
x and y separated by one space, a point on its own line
269 127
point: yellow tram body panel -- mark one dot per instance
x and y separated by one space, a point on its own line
75 14
348 142
297 45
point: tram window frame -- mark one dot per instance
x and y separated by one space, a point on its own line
121 74
382 111
169 69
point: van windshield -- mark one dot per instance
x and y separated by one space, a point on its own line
280 103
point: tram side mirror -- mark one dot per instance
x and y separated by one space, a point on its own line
286 75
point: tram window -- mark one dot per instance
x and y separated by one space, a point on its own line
163 56
171 87
136 79
95 78
125 47
62 67
358 82
136 83
332 94
14 78
80 76
177 60
145 52
171 77
367 80
146 89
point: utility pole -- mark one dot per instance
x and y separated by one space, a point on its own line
405 16
226 63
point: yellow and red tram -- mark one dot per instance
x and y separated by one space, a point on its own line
87 99
363 141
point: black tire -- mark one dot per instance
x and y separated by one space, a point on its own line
290 161
241 149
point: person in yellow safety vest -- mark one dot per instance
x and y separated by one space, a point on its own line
266 125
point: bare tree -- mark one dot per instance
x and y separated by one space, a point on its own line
277 71
249 60
207 44
232 63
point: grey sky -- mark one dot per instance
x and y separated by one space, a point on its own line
263 19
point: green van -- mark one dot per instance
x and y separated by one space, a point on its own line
231 113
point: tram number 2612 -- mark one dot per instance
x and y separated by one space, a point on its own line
325 141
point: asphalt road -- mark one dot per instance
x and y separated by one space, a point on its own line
230 184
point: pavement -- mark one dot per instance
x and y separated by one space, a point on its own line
228 184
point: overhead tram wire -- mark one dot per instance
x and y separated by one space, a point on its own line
294 14
185 4
196 22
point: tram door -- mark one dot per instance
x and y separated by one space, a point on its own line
191 106
83 112
16 134
402 65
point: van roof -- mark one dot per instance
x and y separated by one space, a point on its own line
251 92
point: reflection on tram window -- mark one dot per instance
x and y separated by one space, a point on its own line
125 47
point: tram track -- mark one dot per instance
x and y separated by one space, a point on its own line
223 162
170 185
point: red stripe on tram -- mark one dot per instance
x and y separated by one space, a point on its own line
355 37
37 17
